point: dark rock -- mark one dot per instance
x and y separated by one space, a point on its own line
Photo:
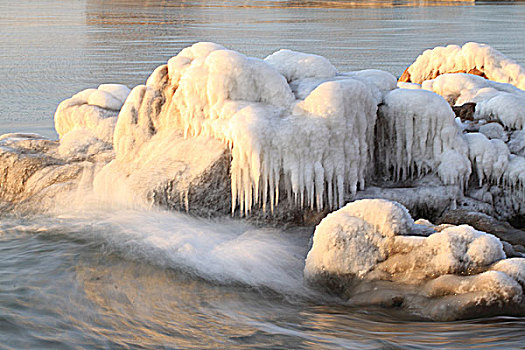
485 223
465 111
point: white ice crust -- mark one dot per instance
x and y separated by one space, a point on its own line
93 110
295 65
453 58
458 263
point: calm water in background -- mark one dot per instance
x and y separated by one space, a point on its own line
146 279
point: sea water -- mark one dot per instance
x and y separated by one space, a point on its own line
136 278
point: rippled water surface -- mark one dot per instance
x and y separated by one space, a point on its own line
143 279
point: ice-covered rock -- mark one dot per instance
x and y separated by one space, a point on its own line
363 253
93 110
295 65
493 131
506 108
516 143
473 58
459 88
490 158
315 150
169 170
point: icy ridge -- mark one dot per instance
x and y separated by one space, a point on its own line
453 58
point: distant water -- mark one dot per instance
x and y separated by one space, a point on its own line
147 279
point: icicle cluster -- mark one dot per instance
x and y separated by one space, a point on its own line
414 129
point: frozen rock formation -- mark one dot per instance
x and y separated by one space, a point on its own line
315 149
288 139
472 58
366 253
489 107
92 110
416 134
291 134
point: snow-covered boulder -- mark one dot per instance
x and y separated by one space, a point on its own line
366 248
472 58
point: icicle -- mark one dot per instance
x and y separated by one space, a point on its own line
187 201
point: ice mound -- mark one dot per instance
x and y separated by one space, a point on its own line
479 59
506 108
94 110
460 88
315 149
499 102
365 253
295 65
354 239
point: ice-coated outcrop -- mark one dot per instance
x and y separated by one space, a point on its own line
365 252
34 173
92 110
292 133
474 58
488 107
314 149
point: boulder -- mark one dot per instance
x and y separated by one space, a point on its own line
364 252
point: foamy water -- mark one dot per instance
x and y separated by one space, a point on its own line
90 277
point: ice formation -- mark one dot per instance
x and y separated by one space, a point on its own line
490 107
471 57
415 129
315 149
369 241
295 65
460 88
499 102
215 132
94 110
